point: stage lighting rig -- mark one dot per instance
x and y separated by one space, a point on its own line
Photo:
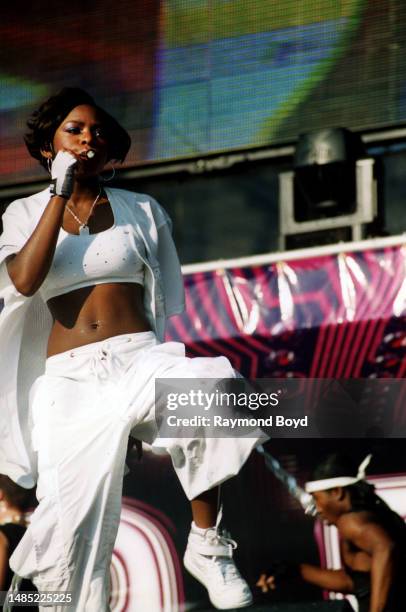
331 194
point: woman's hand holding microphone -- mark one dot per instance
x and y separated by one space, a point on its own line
62 174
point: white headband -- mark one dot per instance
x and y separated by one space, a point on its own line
339 481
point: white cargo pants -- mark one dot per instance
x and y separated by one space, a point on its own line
83 409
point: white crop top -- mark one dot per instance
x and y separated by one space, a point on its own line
85 260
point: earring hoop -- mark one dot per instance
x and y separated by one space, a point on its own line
49 165
109 178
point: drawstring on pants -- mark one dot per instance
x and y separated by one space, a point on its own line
106 362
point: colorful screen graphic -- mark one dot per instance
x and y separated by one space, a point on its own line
188 77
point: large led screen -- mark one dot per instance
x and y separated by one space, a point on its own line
188 77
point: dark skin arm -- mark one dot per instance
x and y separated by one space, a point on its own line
29 267
371 539
4 556
332 580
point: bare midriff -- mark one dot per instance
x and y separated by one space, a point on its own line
95 313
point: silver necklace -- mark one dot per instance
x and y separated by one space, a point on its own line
83 225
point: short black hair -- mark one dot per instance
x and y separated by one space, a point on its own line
43 123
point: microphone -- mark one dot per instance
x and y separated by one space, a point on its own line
90 154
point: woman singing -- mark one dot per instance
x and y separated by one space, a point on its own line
89 276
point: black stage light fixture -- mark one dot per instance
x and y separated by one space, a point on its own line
325 174
331 193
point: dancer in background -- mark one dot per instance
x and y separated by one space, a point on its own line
372 536
14 503
90 275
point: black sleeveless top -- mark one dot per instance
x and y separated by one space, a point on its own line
14 533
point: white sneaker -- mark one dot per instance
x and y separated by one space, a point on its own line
209 558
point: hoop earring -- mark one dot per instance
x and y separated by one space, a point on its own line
49 165
109 178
